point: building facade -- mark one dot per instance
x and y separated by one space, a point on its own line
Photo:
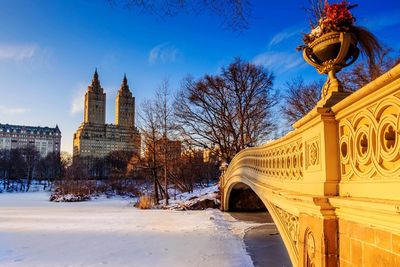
96 139
45 139
174 150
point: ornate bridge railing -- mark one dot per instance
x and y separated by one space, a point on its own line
332 185
369 142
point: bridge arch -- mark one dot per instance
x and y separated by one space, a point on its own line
289 236
335 178
242 198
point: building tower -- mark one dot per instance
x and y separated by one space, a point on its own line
94 139
95 102
125 106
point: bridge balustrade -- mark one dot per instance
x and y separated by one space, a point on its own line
332 185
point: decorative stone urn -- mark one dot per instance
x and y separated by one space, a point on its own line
329 54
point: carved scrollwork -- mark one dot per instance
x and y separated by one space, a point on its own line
309 249
280 162
313 152
290 223
369 142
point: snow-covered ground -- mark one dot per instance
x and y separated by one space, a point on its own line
210 190
110 232
185 200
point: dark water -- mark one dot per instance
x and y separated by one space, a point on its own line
264 243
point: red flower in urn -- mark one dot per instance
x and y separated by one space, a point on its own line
335 41
337 17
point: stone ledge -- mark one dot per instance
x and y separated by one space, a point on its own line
382 214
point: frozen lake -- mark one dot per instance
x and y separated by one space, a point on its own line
110 232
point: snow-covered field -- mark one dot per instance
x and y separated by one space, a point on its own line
110 232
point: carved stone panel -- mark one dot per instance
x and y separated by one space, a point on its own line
313 154
309 249
369 142
291 224
280 162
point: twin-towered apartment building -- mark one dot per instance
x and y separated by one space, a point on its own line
94 137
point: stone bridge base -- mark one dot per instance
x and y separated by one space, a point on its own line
332 185
324 233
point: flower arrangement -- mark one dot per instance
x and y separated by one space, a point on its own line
338 18
334 17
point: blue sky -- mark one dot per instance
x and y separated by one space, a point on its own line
49 49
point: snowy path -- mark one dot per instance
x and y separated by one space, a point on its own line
36 232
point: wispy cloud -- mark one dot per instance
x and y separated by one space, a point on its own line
43 57
163 53
17 52
279 62
285 35
77 103
12 111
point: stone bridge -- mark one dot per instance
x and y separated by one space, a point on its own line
332 185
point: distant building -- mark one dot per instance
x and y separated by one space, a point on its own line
174 149
96 139
211 155
45 139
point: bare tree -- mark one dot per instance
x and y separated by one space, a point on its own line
229 111
314 10
366 71
19 163
234 14
191 169
300 98
165 120
16 166
99 167
49 169
117 162
77 170
5 167
157 127
151 134
31 156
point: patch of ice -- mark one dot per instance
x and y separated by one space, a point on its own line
110 232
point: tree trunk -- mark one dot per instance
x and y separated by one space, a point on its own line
6 180
166 183
165 151
155 187
161 189
28 182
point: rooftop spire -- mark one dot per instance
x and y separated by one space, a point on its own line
125 80
95 81
95 77
124 85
